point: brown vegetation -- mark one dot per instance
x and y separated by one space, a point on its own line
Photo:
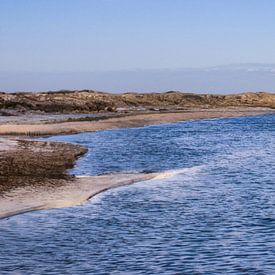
35 162
87 101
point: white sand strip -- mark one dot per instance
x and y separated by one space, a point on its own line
23 200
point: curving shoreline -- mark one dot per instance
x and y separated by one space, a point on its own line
31 169
71 193
45 128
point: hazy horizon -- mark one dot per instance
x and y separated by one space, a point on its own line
125 45
234 78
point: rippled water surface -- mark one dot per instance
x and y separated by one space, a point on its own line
217 216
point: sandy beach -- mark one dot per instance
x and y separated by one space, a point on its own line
134 120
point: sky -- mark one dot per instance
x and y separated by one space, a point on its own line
88 43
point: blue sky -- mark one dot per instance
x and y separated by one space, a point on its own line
69 36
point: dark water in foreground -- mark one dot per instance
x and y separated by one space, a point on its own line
216 217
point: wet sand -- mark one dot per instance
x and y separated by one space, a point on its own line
75 192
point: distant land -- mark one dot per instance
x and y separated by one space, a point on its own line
234 78
89 101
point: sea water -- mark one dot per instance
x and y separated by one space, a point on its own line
215 214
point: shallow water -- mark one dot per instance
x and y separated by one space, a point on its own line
215 216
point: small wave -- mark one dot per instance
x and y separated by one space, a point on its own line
172 173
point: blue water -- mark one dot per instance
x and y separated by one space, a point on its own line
216 217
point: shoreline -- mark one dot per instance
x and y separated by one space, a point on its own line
127 121
30 183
